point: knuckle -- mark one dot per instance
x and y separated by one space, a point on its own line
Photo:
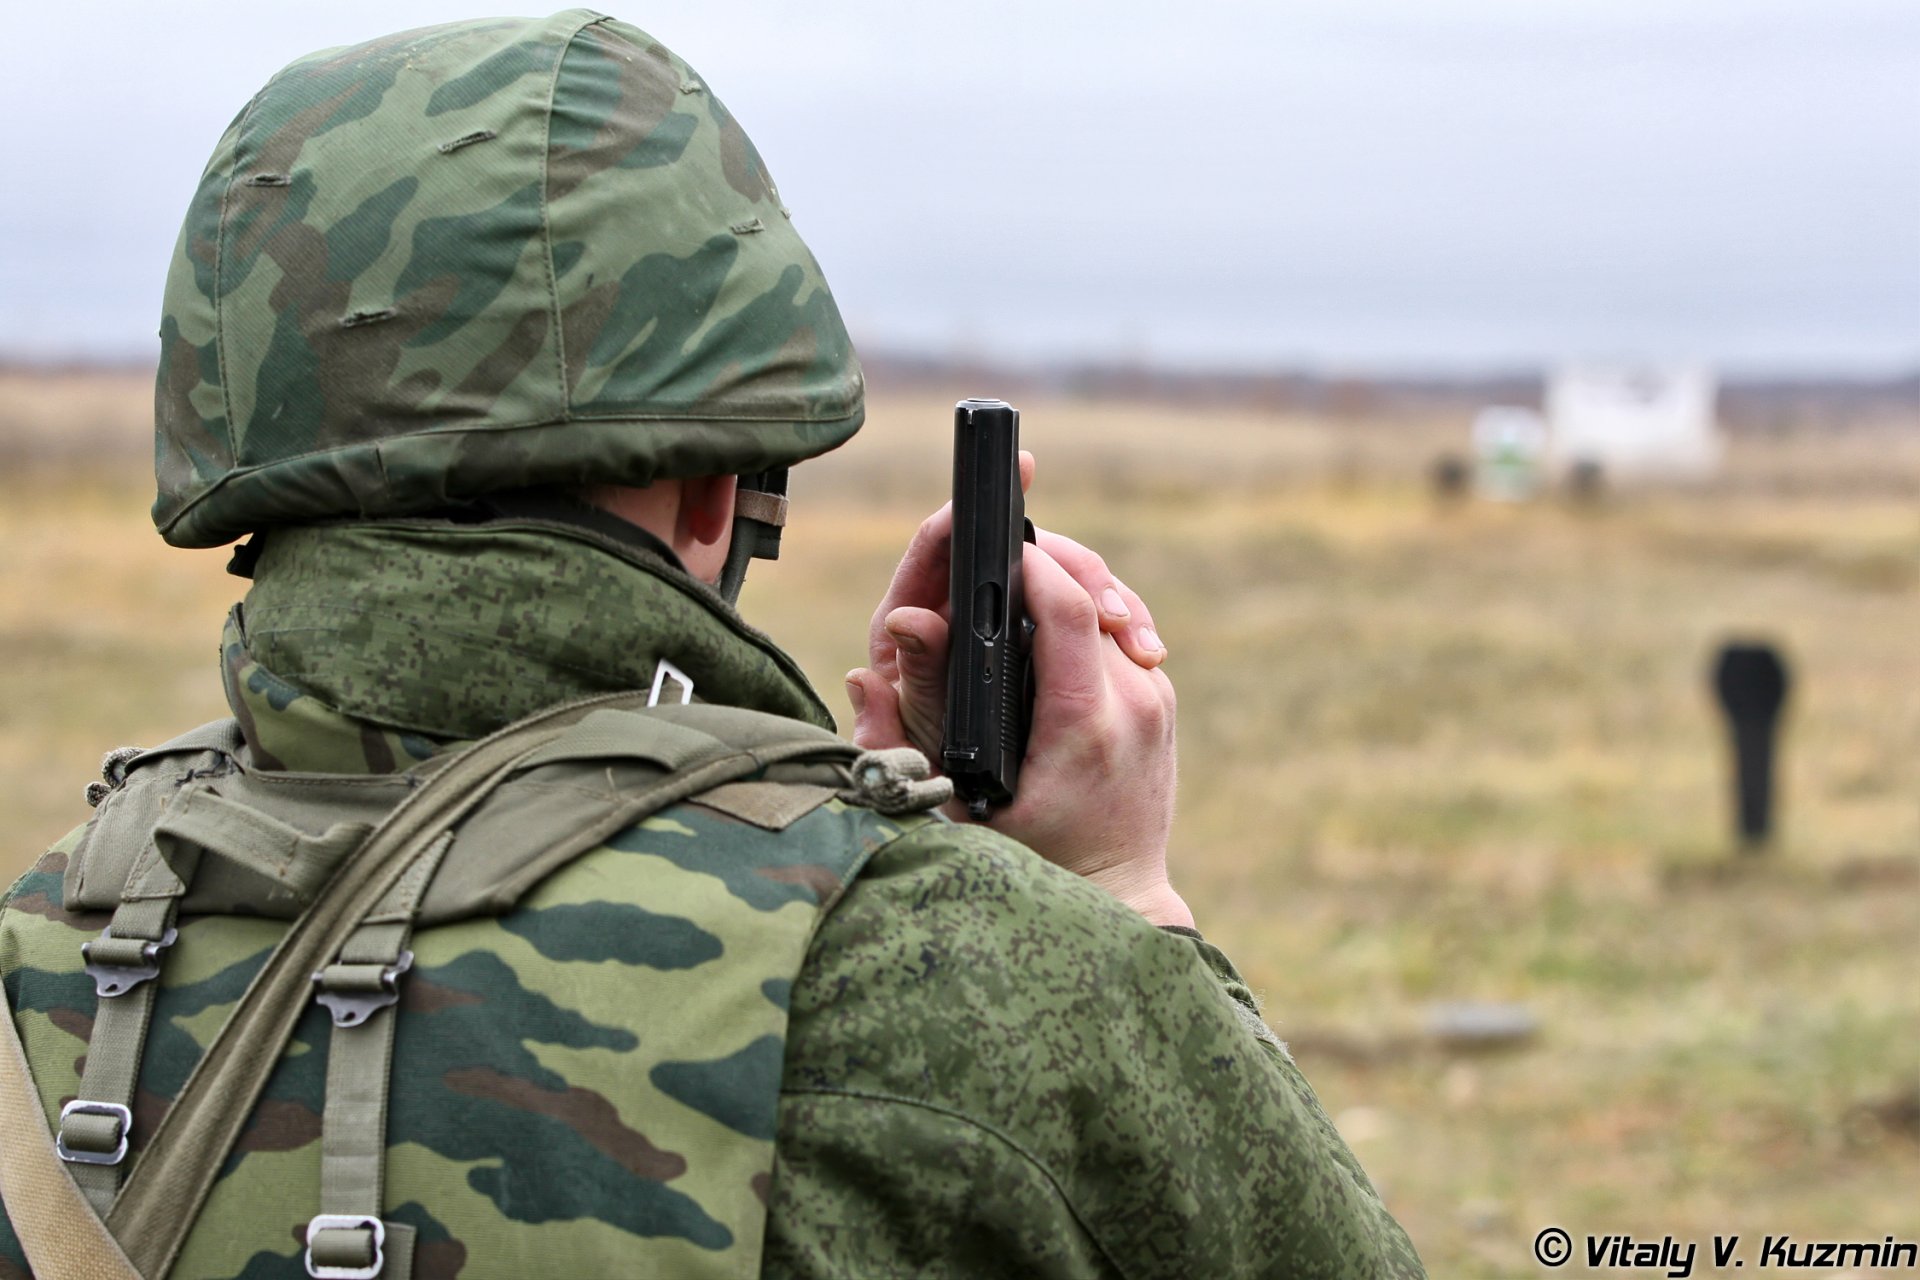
1153 713
1169 698
1155 706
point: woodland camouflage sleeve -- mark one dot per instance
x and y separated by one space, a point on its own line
995 1070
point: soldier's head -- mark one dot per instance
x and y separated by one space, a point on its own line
485 257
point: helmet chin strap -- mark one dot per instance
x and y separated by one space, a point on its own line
759 513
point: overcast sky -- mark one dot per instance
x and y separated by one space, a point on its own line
1332 184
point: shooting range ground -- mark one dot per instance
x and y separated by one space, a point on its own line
1428 755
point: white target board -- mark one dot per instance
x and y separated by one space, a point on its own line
1634 421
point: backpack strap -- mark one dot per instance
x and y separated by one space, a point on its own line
62 1234
201 817
96 1126
124 963
661 755
349 1240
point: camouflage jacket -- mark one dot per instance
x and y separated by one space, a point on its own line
989 1068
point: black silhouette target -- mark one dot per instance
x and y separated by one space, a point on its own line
1752 682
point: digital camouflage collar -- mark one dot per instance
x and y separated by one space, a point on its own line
367 647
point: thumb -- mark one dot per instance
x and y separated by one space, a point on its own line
876 711
920 637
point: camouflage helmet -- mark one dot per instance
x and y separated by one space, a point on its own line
480 257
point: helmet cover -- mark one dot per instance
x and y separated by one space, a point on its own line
477 257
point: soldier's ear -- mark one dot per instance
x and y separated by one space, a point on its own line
706 508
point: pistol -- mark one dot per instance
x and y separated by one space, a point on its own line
989 679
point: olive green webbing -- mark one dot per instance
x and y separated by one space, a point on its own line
114 1049
353 1124
118 1039
353 1117
63 1237
204 819
163 1195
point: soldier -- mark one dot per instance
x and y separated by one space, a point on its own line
495 340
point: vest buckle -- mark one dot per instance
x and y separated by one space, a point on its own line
84 1141
346 1246
353 993
118 965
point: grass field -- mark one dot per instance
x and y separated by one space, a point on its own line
1428 755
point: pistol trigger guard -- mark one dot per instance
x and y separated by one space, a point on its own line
1028 533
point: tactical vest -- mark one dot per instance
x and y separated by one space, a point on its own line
350 894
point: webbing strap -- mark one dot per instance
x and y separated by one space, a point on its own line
264 845
95 1130
360 990
353 1127
63 1237
632 736
767 508
97 1127
158 1206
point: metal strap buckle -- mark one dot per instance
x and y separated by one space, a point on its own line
346 1222
353 993
660 674
84 1107
116 977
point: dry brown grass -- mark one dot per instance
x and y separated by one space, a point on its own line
1426 755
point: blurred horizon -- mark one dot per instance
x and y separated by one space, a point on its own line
1384 189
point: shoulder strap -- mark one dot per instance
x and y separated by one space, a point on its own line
526 833
63 1236
124 963
349 1239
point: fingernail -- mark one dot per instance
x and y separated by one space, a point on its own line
1111 604
856 694
1150 640
907 641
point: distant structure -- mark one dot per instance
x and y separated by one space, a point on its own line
1650 423
1509 449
